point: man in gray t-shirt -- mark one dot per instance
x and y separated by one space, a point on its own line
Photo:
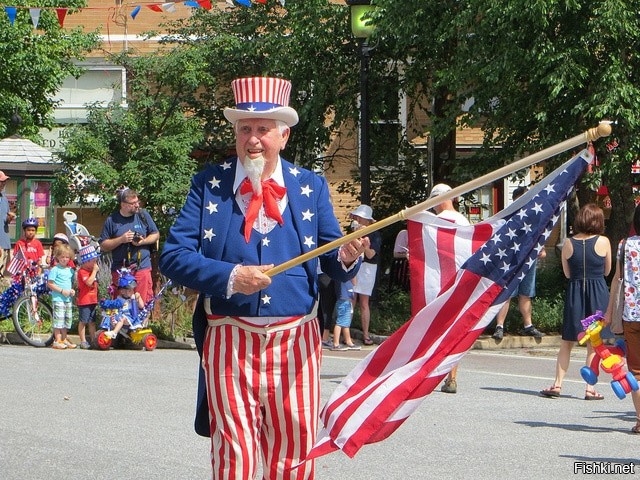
6 215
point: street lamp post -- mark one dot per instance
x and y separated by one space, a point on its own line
362 28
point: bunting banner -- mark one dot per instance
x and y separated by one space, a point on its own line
166 7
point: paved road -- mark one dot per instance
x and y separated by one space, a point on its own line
128 414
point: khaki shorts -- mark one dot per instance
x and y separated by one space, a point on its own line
632 341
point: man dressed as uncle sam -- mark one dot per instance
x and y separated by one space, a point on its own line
257 335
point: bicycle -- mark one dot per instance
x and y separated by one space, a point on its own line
32 316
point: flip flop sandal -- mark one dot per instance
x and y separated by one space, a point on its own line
551 392
367 341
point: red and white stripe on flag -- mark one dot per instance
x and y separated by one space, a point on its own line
463 275
18 263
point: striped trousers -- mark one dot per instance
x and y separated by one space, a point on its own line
263 391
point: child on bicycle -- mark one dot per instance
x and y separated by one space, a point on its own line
60 283
87 300
132 303
30 246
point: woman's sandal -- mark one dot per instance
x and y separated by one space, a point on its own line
551 392
592 395
636 429
367 341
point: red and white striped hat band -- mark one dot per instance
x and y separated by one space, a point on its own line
262 97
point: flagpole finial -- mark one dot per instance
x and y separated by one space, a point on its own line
602 130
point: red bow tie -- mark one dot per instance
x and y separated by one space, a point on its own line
271 193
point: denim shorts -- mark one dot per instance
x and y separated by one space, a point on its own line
87 313
343 313
527 286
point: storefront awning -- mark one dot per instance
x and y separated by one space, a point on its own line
18 154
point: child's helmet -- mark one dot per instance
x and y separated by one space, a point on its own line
30 222
62 237
127 281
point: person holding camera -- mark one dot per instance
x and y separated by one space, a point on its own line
130 234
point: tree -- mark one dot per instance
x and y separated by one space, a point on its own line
146 146
33 65
538 74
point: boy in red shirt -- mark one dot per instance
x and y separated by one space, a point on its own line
31 247
87 299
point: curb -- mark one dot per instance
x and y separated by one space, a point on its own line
13 338
486 342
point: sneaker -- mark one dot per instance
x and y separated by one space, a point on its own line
498 334
59 345
353 346
69 344
450 386
338 348
85 345
531 332
327 344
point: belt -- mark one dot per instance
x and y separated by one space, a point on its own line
278 324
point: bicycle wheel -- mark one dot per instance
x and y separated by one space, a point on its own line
35 328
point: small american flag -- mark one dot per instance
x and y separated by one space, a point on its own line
463 275
18 263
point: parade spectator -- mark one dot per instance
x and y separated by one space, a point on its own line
366 278
344 312
58 239
586 261
447 211
326 305
130 234
87 300
399 272
525 291
132 304
29 245
241 218
7 216
60 282
627 267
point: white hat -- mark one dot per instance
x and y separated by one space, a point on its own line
363 211
262 97
439 189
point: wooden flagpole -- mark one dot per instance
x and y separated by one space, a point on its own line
602 130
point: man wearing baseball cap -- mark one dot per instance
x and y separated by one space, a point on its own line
257 335
7 216
447 211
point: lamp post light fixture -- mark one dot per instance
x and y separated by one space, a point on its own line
362 28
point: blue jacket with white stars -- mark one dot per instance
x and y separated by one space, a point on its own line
206 242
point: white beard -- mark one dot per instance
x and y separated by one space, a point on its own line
254 168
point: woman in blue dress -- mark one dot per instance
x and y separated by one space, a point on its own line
586 261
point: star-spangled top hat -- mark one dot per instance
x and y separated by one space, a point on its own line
261 97
88 253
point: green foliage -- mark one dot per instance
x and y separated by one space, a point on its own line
537 73
548 304
390 310
34 63
145 145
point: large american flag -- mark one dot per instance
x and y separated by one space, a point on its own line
460 277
